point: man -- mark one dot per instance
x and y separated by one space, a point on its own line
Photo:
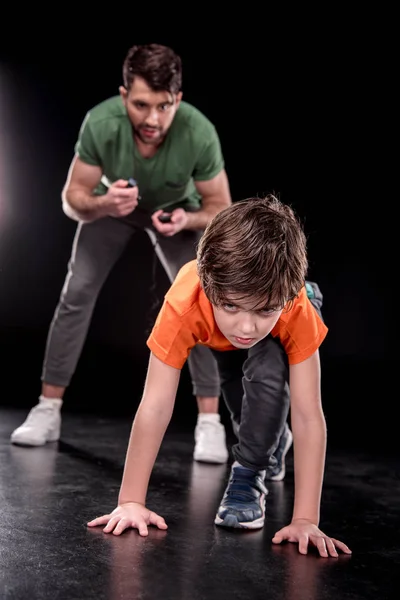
243 304
144 160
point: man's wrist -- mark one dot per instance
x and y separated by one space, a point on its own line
197 219
88 208
99 208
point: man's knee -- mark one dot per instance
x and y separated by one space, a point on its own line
315 295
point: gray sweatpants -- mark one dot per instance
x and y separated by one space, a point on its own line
96 248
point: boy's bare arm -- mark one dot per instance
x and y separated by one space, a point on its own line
149 426
309 446
148 429
309 434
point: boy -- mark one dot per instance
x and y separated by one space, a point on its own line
244 295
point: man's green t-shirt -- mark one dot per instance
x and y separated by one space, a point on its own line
190 152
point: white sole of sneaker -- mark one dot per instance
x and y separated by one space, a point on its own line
232 522
216 460
28 443
32 442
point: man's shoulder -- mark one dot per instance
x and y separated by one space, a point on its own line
107 112
194 120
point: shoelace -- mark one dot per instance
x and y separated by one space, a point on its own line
236 493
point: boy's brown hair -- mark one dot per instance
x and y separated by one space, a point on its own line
253 250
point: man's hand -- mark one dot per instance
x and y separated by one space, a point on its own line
129 514
179 219
119 200
304 533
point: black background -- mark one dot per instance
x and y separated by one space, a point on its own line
291 102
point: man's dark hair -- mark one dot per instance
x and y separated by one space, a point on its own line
158 65
254 250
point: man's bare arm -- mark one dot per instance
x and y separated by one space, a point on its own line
215 195
78 194
78 189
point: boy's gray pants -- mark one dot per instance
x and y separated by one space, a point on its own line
255 388
96 248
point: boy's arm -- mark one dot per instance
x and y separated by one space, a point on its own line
309 447
309 438
149 426
148 429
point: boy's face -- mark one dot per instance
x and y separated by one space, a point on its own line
243 324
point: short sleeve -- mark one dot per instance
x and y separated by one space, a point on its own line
211 160
85 147
171 339
301 331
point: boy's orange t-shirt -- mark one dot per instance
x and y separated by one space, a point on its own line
186 319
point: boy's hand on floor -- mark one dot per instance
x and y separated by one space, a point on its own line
130 514
304 533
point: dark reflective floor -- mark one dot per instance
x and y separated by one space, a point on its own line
48 494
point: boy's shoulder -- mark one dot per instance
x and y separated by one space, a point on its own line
185 292
300 329
299 304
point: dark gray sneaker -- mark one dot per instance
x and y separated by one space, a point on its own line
278 472
243 503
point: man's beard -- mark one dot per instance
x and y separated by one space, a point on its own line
156 140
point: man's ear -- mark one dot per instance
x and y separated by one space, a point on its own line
178 99
123 92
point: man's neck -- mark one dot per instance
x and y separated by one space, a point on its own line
147 150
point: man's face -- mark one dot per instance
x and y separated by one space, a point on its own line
151 113
243 324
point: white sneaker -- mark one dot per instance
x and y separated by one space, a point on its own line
42 425
210 441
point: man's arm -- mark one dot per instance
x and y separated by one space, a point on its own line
215 195
309 435
151 421
78 193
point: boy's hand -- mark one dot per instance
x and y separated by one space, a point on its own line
304 532
130 514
